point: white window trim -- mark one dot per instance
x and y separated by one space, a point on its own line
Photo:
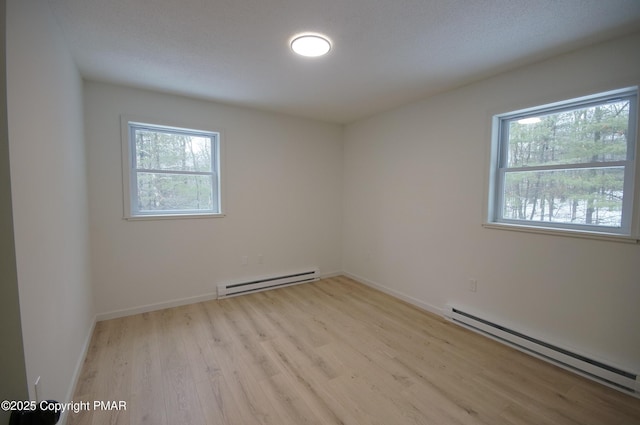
632 235
126 150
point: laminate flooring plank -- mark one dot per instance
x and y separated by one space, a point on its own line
178 382
311 382
329 352
218 405
287 402
248 339
225 397
93 359
147 403
603 405
280 311
115 373
294 335
198 348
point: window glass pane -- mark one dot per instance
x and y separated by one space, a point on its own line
164 150
591 196
590 134
165 192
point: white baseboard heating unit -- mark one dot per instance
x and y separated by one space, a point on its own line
593 369
232 289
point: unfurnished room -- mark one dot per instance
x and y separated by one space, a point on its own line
320 212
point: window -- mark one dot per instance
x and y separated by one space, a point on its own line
567 166
170 171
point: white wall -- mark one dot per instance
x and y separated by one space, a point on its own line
413 207
48 183
283 200
12 367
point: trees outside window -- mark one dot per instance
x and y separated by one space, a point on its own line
171 171
568 166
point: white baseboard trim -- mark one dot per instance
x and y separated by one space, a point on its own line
212 296
330 275
153 307
78 370
173 303
397 294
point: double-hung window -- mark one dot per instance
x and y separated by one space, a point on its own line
568 166
170 171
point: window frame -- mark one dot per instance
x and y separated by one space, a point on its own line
630 221
129 124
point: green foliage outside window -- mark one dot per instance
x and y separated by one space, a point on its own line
567 167
174 170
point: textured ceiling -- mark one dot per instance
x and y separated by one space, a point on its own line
385 52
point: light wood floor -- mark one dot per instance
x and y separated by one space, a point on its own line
330 352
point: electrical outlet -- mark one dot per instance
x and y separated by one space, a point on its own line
260 259
245 260
473 285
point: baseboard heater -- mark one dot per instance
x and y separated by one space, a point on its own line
609 375
232 289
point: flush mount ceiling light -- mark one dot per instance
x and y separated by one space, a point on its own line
311 45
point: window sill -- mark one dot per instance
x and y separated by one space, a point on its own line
563 232
172 217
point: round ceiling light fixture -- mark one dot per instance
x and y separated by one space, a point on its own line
311 45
